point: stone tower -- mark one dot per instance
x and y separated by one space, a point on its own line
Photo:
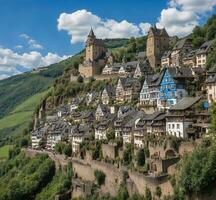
95 56
157 43
94 47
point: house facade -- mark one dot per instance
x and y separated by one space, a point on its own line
180 117
202 53
182 47
108 94
172 86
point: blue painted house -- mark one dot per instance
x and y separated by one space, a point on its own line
173 85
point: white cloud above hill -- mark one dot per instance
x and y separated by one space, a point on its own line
78 25
10 61
179 18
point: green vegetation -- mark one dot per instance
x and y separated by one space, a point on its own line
4 152
204 33
197 172
130 49
60 184
100 177
22 177
63 148
20 117
141 157
127 154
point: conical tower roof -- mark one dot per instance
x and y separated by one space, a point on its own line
91 33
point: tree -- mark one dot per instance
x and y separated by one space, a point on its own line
122 193
148 195
100 177
110 134
127 155
158 191
58 148
80 79
67 150
141 157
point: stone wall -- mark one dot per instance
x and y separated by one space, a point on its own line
142 181
161 150
85 171
114 177
109 151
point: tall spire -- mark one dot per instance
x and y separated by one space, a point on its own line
91 33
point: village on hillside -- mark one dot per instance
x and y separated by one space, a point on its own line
143 121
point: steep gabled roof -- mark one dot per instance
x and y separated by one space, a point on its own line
205 47
185 103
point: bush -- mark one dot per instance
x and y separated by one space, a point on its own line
141 157
100 177
148 195
80 79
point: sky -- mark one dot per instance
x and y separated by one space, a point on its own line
36 33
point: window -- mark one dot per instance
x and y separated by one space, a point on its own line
178 126
169 126
173 126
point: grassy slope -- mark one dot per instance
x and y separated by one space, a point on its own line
4 152
20 117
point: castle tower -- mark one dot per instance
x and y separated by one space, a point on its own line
157 43
95 56
94 47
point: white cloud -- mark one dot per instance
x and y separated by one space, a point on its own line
11 62
33 44
18 47
145 28
182 16
78 25
198 6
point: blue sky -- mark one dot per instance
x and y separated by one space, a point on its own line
36 32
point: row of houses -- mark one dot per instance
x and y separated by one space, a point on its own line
183 54
189 118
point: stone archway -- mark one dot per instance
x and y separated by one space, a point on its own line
170 153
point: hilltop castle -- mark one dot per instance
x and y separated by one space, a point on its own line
157 44
95 56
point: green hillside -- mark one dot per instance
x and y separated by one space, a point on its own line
14 122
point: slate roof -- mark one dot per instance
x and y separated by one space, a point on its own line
39 132
153 116
205 47
110 90
133 117
159 32
154 80
141 54
128 82
211 79
180 44
190 55
185 103
81 130
166 54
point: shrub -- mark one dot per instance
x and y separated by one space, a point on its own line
80 79
100 177
141 157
